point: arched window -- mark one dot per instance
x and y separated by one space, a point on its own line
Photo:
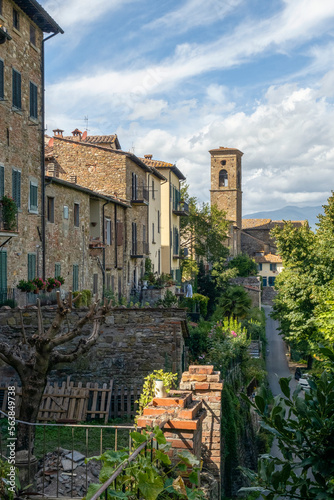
223 178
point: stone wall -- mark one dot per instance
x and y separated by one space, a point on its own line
268 295
21 140
133 343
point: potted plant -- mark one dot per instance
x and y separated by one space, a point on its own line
51 284
9 212
39 283
26 286
156 383
60 279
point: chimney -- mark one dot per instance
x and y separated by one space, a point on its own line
73 178
77 134
58 132
148 157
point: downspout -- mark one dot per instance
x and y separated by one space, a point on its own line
43 159
115 222
103 268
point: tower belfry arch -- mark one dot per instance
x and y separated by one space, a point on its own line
226 191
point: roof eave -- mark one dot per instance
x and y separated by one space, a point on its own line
37 13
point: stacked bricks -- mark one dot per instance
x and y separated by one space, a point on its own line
185 419
207 387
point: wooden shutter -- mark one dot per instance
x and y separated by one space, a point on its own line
16 89
75 277
16 187
33 100
57 269
2 181
2 87
119 230
33 197
31 266
3 271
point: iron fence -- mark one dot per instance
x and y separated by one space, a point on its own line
60 450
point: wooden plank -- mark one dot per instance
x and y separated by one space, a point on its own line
94 399
108 402
103 399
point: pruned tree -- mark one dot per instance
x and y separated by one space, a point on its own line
35 355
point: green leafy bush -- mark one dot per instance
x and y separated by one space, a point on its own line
85 298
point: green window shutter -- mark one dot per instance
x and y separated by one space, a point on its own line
16 89
33 101
57 269
2 181
33 197
31 266
75 277
3 271
2 87
16 187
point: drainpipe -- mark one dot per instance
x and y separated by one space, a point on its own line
43 158
115 223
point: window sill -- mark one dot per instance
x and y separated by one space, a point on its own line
34 120
33 212
2 18
17 110
35 48
17 31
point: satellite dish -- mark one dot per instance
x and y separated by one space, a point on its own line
51 142
84 135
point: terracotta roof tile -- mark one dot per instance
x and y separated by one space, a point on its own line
269 257
156 163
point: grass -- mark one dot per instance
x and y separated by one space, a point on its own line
89 441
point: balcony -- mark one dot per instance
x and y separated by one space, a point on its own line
140 196
139 249
181 208
95 247
7 228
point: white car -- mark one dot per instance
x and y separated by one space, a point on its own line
304 383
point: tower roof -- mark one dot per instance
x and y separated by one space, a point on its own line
226 151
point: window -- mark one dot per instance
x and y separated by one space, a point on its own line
3 275
16 97
2 181
2 87
16 19
33 196
159 262
134 186
31 266
32 34
223 162
153 195
57 269
95 283
33 101
65 212
16 187
0 6
50 209
76 214
264 281
108 284
273 267
259 266
223 178
75 284
134 238
153 238
272 280
159 221
107 223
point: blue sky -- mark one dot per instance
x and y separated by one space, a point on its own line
175 79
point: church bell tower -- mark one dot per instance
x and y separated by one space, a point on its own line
226 191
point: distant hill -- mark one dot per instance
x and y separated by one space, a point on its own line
290 213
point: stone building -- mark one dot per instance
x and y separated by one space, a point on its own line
154 182
226 191
85 238
172 208
22 24
99 164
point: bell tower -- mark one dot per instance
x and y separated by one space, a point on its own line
226 191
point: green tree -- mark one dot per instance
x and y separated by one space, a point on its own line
304 428
204 231
245 265
235 301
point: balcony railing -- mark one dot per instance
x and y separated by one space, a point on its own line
5 226
139 249
181 208
140 196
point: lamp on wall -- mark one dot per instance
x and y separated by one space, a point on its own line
4 35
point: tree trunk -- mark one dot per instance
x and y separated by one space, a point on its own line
33 387
309 362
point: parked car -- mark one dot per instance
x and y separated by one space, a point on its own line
304 384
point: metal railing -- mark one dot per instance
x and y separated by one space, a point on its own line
139 248
44 438
140 194
118 471
181 207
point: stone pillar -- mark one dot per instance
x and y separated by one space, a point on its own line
184 428
206 386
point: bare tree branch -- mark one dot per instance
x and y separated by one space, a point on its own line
83 346
7 355
22 327
39 318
